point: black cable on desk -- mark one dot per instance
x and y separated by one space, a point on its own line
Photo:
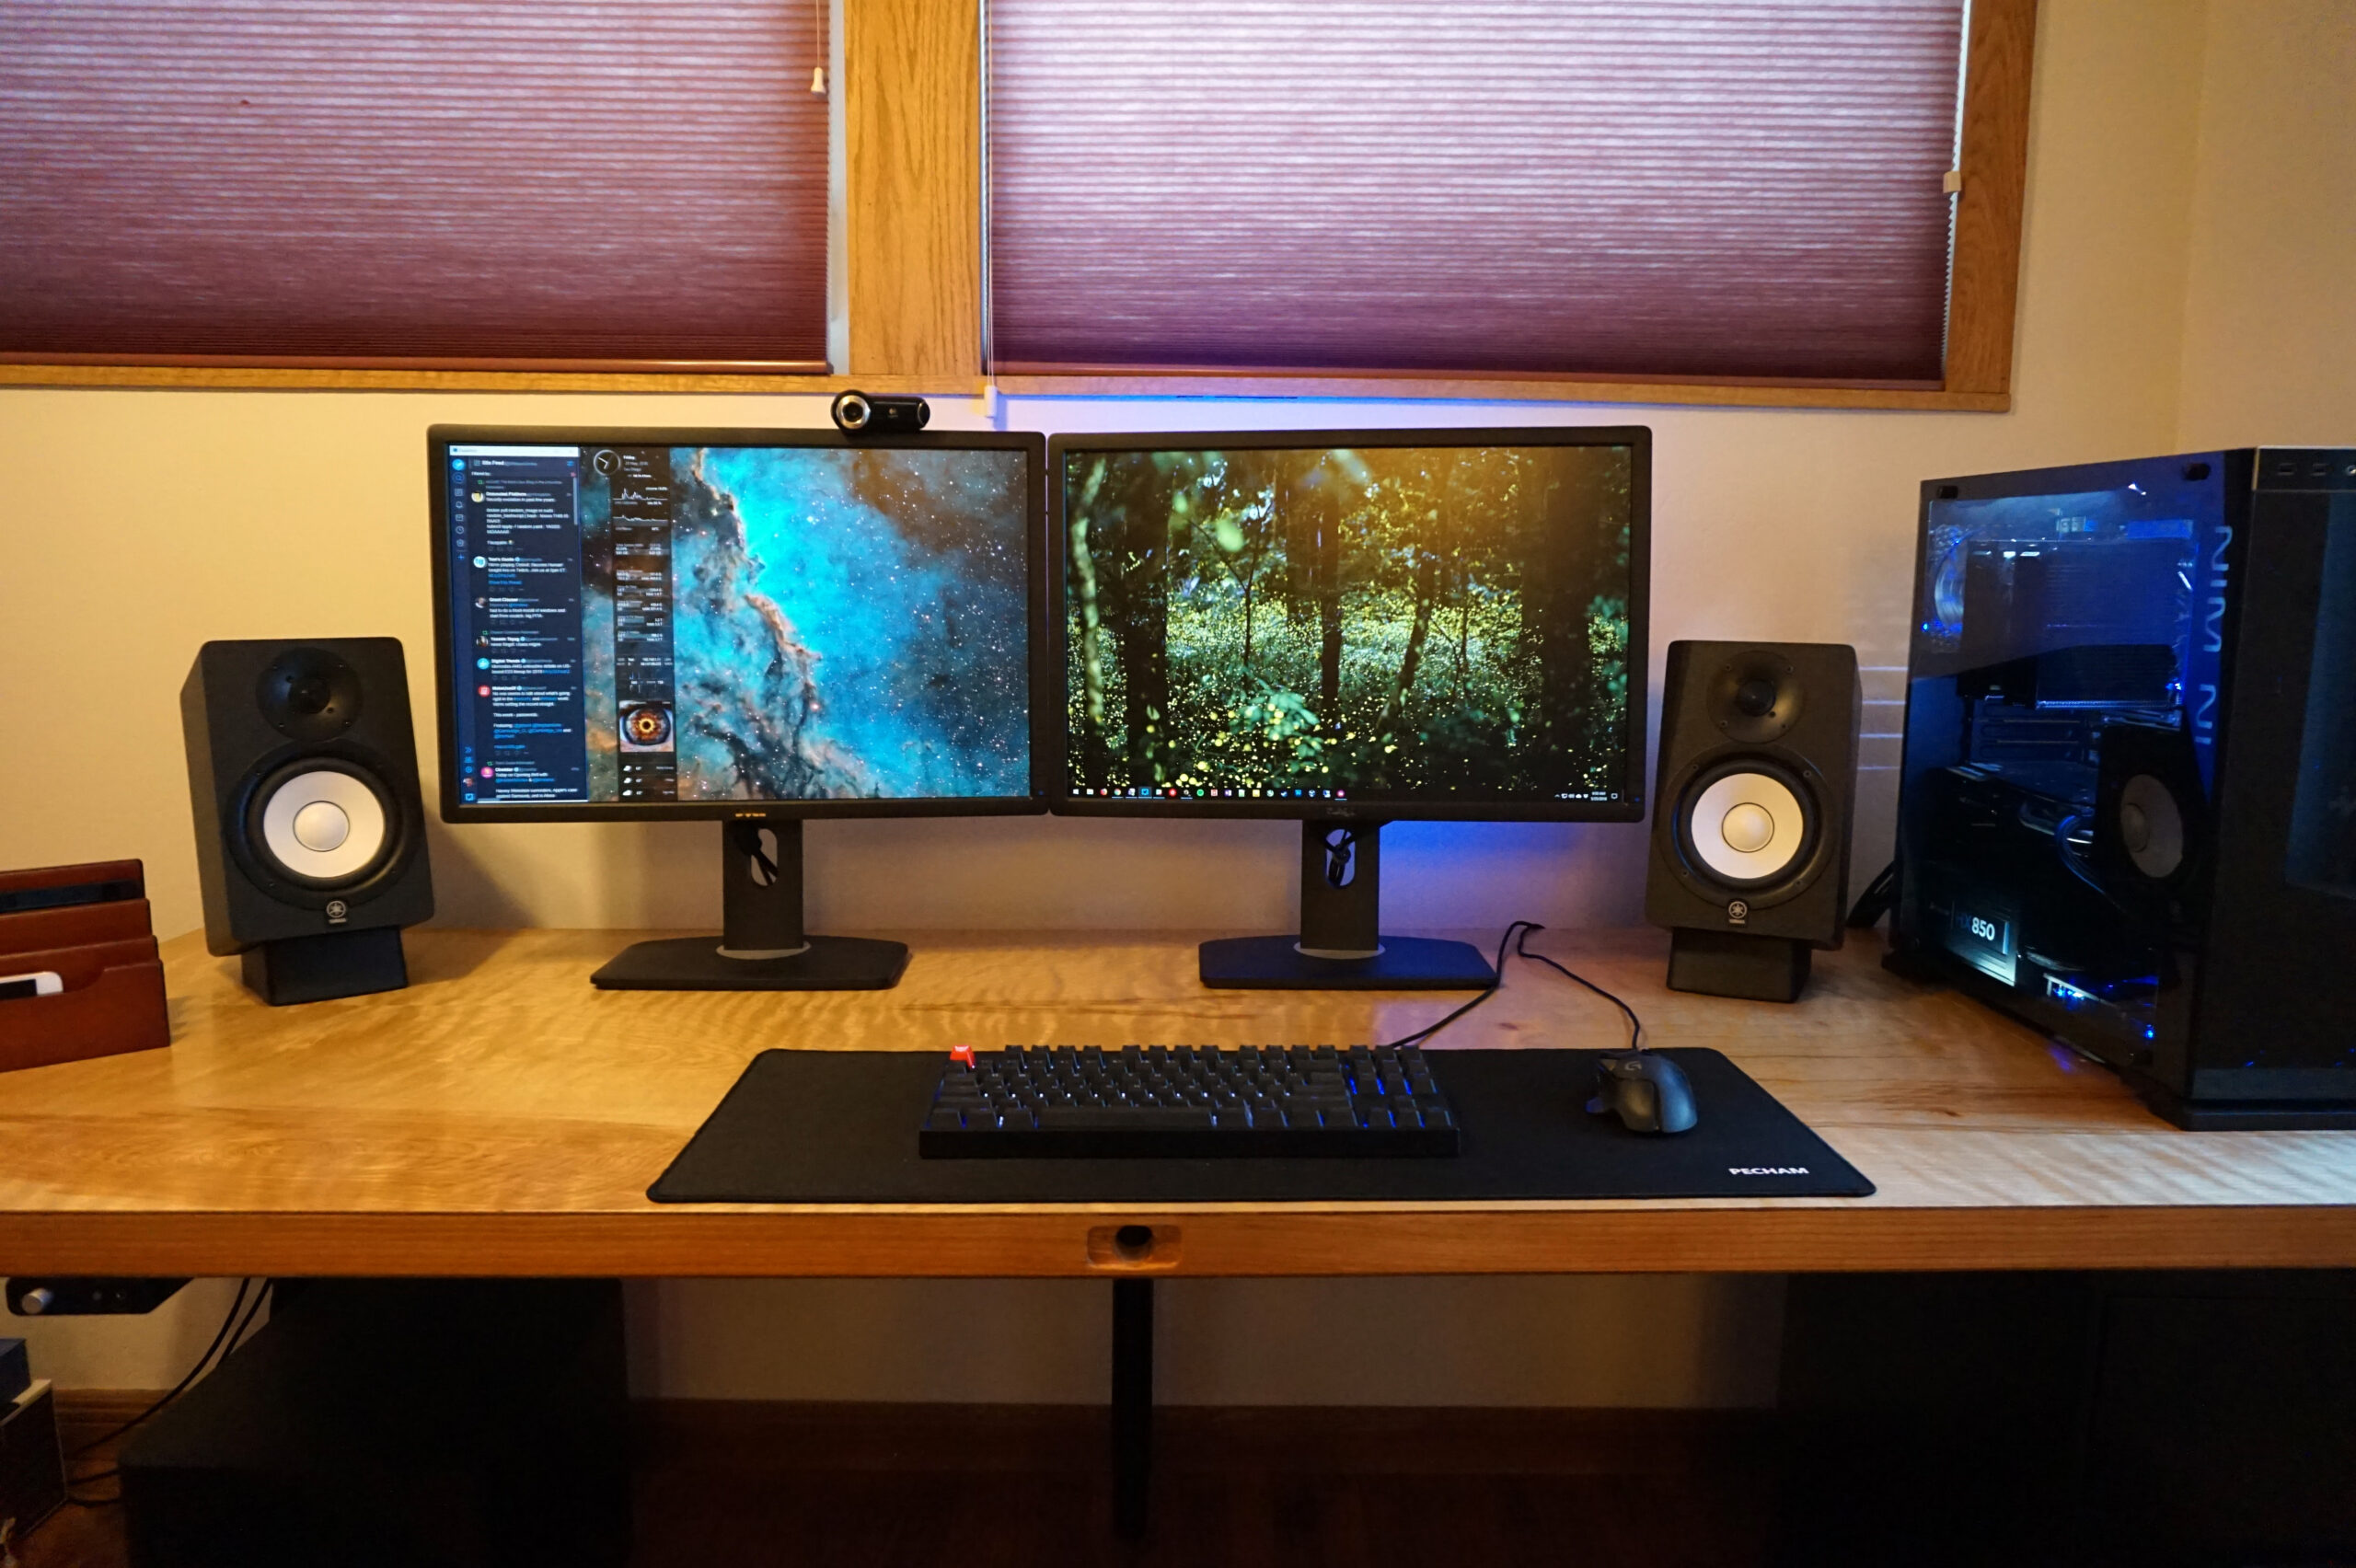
1636 1024
1517 936
1497 978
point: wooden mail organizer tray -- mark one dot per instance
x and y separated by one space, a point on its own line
79 974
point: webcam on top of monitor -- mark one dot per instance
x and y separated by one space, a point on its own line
867 414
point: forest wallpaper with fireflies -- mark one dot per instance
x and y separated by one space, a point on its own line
1404 623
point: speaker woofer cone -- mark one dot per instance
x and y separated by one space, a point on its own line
1747 824
323 823
2151 826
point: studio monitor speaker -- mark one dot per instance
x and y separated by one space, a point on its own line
310 827
1751 807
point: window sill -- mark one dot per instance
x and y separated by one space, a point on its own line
382 378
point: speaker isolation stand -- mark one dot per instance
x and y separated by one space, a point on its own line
1735 963
762 945
323 967
1341 947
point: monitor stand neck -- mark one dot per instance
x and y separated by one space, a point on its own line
1341 946
760 889
1341 890
762 945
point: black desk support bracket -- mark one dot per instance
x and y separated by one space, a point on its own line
1132 1404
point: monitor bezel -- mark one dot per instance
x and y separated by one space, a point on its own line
1049 746
1043 686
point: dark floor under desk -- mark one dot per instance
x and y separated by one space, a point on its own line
721 1484
1209 1516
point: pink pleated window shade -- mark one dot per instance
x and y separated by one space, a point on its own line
570 183
1676 189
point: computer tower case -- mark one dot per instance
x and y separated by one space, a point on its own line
2127 807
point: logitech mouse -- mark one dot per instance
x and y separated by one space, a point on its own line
1646 1090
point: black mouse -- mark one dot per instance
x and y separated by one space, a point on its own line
1646 1088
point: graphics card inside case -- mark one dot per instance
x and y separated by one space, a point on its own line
2128 811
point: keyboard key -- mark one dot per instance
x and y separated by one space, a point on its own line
1140 1118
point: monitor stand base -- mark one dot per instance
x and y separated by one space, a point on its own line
696 963
1405 963
762 945
1341 914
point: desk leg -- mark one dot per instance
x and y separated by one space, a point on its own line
1132 1403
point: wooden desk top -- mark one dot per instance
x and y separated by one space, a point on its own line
502 1116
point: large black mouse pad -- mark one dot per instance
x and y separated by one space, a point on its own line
840 1127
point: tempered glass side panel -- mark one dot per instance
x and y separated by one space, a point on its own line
2322 857
2054 614
2277 995
2066 621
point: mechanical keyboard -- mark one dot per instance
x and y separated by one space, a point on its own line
1186 1101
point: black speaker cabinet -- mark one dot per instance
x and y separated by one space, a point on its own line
310 828
1752 806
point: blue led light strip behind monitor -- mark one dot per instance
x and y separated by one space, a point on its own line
1351 628
750 626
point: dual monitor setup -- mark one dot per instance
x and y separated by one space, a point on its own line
2127 789
755 627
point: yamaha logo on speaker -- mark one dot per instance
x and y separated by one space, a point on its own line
338 911
1737 912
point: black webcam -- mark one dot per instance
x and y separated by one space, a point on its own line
864 413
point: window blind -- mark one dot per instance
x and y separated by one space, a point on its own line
1634 188
569 182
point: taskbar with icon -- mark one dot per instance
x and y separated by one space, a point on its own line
1175 792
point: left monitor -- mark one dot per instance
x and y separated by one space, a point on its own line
748 627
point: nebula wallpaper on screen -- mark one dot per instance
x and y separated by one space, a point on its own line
845 624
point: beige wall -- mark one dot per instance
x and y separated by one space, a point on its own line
138 525
2269 317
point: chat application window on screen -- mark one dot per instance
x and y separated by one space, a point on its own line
515 618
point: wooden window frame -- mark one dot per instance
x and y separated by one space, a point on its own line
912 257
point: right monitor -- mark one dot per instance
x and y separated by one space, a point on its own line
1350 627
1353 624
